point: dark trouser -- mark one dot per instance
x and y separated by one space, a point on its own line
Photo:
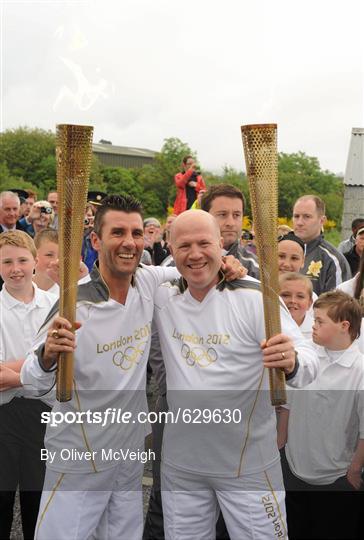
329 511
154 527
21 439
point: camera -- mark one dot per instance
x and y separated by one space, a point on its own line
45 210
246 235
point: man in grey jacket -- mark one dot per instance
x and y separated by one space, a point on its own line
324 264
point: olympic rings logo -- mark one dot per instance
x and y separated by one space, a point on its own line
127 358
198 355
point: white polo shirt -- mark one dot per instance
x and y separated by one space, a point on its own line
327 419
19 324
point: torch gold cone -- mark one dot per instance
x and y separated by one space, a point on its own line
261 158
73 154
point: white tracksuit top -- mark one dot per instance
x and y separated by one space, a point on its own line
213 361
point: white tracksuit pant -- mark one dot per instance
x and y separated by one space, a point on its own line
107 505
253 505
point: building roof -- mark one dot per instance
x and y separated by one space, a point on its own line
354 173
123 150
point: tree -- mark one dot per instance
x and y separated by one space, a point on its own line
24 149
119 180
301 175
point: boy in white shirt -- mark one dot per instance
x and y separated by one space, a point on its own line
325 448
23 308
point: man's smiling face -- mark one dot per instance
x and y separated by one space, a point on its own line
196 249
121 242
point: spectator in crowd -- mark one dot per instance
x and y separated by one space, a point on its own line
41 217
291 253
282 230
197 204
153 242
296 292
346 245
226 203
246 238
52 198
23 308
353 256
29 201
325 446
355 288
9 211
88 253
46 243
324 264
189 182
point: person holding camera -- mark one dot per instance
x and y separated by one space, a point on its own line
40 217
189 182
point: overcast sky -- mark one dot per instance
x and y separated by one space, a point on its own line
141 71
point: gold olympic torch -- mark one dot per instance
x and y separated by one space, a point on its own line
73 153
261 158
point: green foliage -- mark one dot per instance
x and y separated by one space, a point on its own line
301 175
24 149
333 236
27 160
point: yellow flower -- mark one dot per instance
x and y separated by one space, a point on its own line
314 268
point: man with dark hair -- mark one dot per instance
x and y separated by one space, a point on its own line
226 203
346 245
188 182
115 312
324 264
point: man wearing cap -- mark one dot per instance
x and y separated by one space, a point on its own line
324 264
353 256
153 241
347 244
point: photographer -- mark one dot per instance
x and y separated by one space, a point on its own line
40 217
189 182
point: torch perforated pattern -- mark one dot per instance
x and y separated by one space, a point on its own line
260 148
73 153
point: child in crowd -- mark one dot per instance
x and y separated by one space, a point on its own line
23 308
325 447
46 275
296 292
46 243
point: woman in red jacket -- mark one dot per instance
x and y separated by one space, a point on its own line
189 182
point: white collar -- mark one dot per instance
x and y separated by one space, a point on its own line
10 302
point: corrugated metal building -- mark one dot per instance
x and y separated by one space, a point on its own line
354 182
122 156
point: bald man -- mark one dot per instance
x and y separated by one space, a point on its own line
220 450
